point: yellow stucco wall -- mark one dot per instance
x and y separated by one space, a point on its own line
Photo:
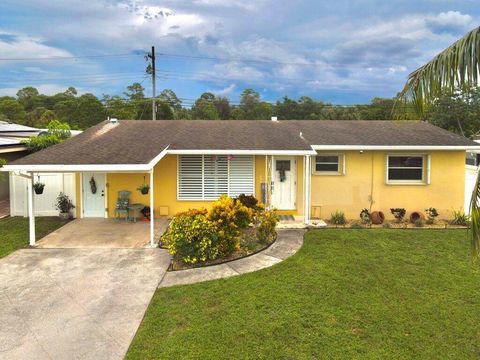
350 193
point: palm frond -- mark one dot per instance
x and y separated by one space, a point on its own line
457 66
475 220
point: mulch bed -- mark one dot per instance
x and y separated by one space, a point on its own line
247 248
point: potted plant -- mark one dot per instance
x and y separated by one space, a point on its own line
144 188
64 205
38 187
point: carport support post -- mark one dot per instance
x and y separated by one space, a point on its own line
152 214
306 191
31 212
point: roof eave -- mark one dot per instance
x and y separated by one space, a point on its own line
397 147
79 168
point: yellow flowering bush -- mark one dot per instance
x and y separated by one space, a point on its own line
198 235
192 238
229 217
265 225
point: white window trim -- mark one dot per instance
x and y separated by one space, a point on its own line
341 165
425 170
203 199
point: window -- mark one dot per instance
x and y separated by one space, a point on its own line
329 164
406 169
206 177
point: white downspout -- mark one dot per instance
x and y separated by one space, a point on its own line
152 213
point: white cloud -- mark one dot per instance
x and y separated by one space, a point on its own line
17 45
47 89
225 91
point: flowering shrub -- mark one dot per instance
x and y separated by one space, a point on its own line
198 235
229 217
266 222
192 238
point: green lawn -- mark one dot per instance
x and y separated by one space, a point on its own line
346 294
14 231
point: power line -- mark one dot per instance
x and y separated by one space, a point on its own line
263 61
69 57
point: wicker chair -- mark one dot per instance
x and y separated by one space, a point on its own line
121 208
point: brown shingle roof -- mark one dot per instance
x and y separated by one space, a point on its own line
138 142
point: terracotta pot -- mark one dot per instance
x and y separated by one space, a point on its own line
416 215
64 216
377 217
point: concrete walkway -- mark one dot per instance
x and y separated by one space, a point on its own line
75 303
287 244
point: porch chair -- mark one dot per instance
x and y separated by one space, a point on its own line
121 208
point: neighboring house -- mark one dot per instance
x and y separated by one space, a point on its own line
11 148
14 187
307 169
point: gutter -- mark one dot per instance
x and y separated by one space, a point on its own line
397 147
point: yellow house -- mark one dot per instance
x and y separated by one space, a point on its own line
306 169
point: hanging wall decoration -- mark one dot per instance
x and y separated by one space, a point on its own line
282 168
93 185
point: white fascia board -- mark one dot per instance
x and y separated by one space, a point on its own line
157 158
242 152
12 149
395 147
79 168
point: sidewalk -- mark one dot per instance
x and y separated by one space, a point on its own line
287 244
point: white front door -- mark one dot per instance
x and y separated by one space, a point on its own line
284 183
93 199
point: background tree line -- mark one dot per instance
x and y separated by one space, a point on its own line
459 112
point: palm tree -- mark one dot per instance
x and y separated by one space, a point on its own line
456 67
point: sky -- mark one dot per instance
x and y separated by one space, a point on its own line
344 52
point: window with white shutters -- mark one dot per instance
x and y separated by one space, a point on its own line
241 176
190 177
206 177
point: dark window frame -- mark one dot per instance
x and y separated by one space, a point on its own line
340 164
412 169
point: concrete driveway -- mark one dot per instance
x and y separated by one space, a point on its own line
75 303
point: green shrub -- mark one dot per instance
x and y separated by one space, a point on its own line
419 223
431 215
229 217
249 201
365 216
398 213
192 238
63 203
356 225
460 218
265 226
338 218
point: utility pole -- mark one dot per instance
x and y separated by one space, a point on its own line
152 69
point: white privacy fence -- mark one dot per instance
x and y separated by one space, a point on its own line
470 177
44 203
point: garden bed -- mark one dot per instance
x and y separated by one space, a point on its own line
248 247
355 224
231 229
